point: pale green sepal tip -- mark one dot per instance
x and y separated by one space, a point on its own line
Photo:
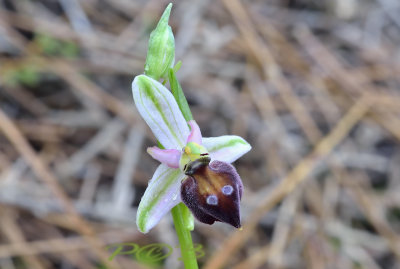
161 51
177 66
165 16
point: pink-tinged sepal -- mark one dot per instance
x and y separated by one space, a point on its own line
169 157
212 191
195 133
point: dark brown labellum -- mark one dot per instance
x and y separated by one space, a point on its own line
212 191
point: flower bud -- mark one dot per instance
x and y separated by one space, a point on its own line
161 51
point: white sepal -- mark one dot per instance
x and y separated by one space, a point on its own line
159 109
161 195
226 148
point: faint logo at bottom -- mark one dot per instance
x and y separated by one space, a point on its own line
151 253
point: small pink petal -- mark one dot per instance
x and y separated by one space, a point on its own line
195 133
169 157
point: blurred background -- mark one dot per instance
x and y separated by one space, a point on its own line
312 85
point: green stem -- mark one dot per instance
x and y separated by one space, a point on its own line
179 96
185 239
183 219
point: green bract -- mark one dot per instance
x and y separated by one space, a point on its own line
161 51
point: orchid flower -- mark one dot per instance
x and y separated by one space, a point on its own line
194 170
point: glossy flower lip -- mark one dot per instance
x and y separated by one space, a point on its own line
213 192
160 111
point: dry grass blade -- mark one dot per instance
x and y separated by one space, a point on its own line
44 174
11 229
313 86
298 174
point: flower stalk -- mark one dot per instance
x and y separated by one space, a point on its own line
180 215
